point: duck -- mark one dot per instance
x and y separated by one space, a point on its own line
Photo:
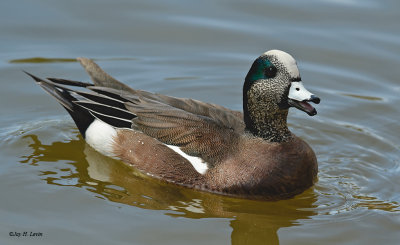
248 154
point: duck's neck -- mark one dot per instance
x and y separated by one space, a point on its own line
269 125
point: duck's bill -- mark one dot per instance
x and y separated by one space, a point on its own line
304 106
299 97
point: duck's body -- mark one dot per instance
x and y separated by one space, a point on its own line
256 169
196 144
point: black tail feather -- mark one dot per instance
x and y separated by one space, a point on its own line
102 106
61 95
70 82
103 91
116 122
102 99
106 110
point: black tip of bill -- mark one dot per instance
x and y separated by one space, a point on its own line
315 99
312 113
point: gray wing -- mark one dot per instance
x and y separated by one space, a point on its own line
196 135
224 116
199 129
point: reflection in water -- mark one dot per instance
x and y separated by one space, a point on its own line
252 222
42 60
34 60
364 97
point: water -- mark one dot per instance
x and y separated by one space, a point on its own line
52 183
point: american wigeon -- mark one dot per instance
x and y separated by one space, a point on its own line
200 145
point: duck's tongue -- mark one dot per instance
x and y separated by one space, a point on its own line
304 106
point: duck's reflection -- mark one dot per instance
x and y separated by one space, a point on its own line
252 222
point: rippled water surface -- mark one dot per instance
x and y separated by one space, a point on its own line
52 183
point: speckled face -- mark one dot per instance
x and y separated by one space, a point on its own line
269 80
272 85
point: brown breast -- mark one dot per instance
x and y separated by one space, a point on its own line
266 170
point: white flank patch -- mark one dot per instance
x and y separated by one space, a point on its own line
298 92
288 61
100 136
199 164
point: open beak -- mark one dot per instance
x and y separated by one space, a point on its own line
299 97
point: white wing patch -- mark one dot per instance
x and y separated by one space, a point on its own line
199 164
100 136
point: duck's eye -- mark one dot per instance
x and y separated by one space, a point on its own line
270 72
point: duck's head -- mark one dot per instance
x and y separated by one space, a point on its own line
274 79
273 85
